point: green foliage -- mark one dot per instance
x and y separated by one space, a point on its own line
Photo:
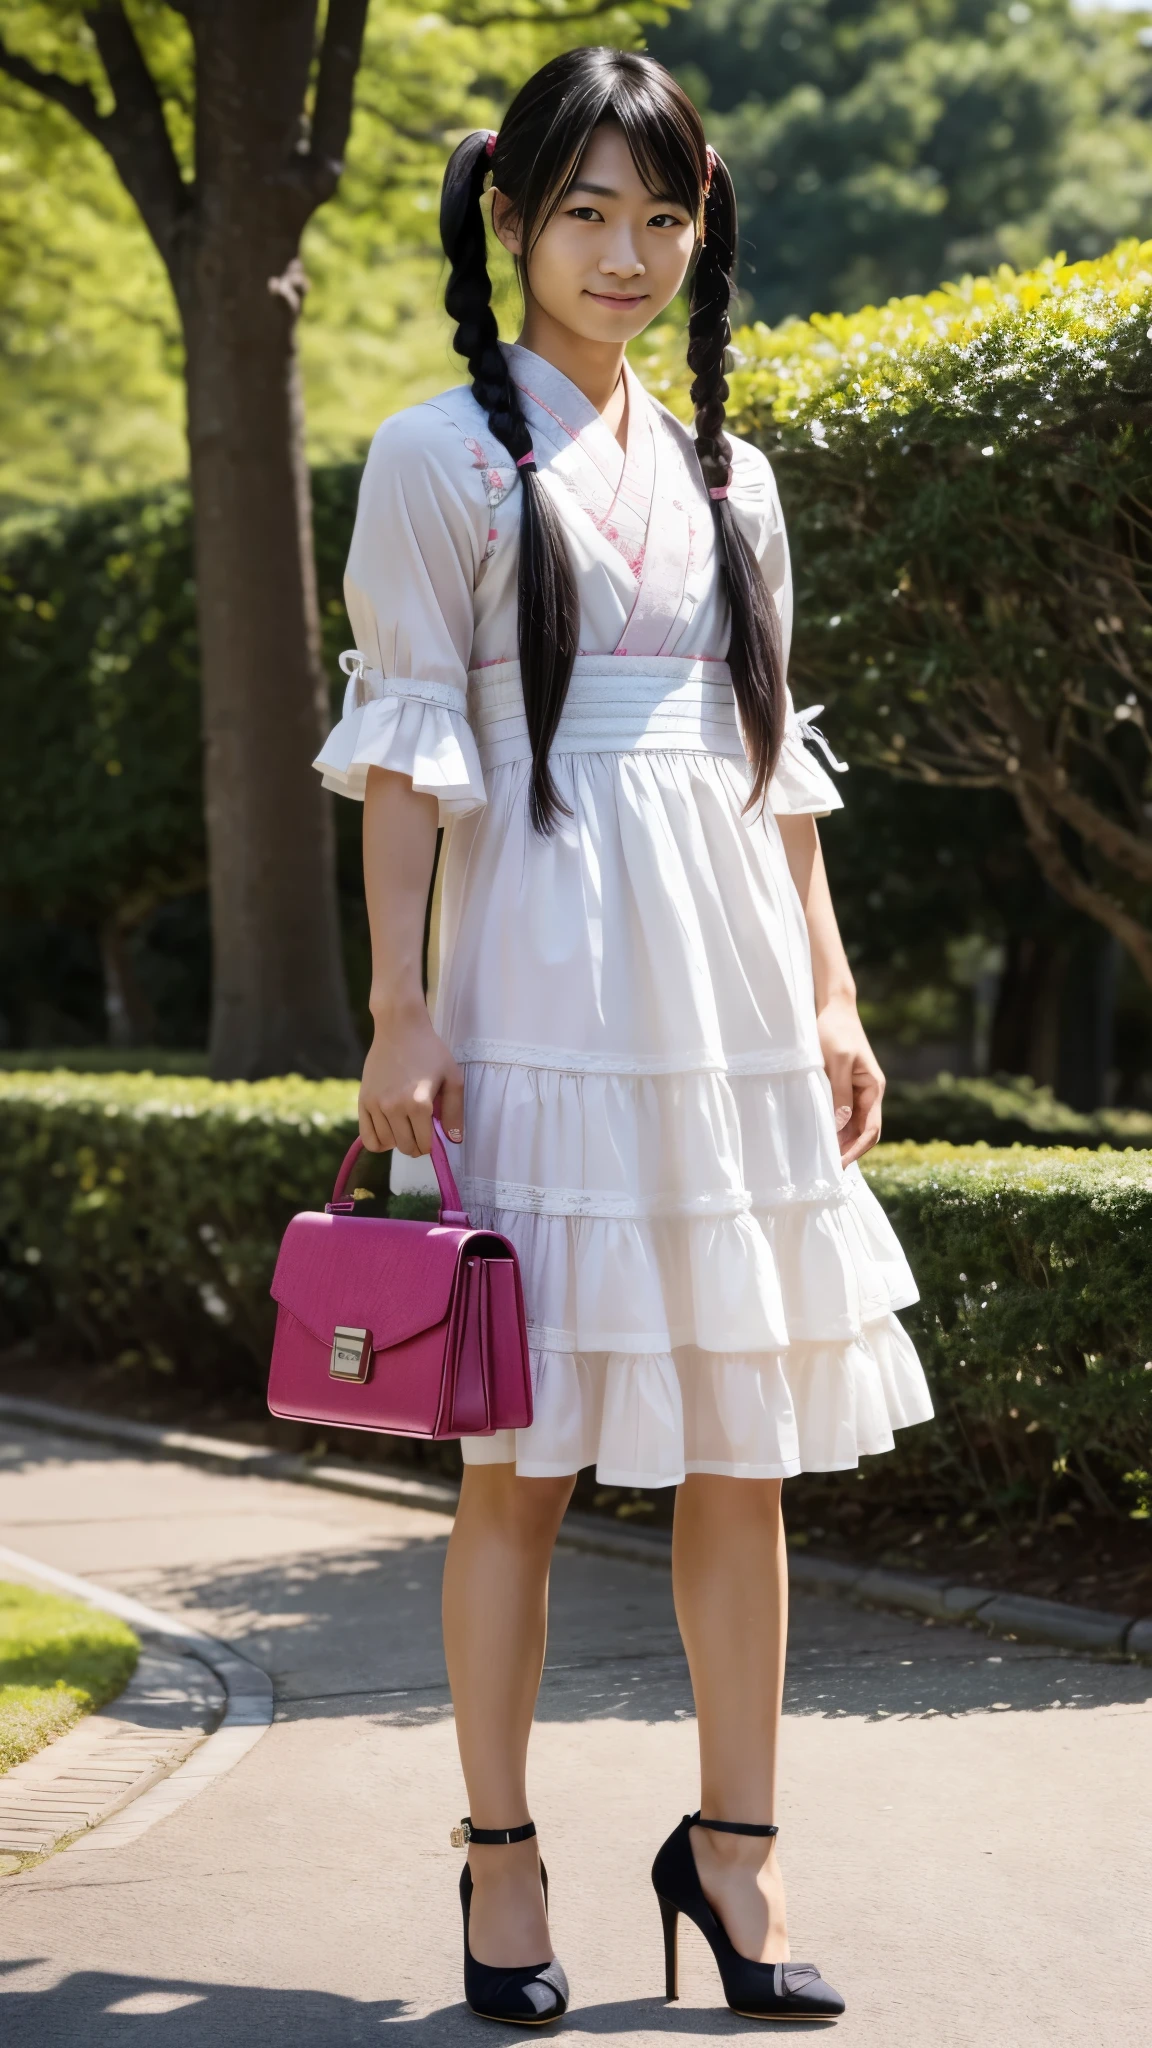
99 700
90 352
878 147
100 774
1003 1110
1034 1324
58 1660
105 1059
140 1216
90 398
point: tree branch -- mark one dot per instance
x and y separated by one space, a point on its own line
335 87
77 100
542 17
1075 889
136 133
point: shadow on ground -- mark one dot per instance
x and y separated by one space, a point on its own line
102 2009
614 1651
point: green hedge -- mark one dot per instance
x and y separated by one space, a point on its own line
139 1220
139 1216
1034 1324
1005 1109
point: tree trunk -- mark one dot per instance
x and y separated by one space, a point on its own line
280 1003
126 1007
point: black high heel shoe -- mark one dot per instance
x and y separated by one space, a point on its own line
523 1995
757 1991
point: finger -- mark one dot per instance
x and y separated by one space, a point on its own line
452 1105
403 1136
839 1071
420 1119
864 1130
375 1132
868 1137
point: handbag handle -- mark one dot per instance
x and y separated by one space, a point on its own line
451 1209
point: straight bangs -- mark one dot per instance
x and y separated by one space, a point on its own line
542 156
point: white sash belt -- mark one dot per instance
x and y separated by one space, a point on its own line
616 704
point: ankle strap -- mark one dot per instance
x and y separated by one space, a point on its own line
490 1837
733 1827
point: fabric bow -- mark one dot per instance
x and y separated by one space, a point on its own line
354 664
809 730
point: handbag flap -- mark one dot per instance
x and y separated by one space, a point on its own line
385 1275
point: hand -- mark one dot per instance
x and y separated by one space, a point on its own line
407 1067
857 1081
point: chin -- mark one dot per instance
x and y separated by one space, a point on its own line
595 323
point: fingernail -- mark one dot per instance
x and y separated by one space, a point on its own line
455 1133
843 1115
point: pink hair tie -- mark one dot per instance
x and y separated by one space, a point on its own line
527 461
722 492
490 145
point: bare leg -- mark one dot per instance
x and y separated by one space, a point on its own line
495 1624
730 1579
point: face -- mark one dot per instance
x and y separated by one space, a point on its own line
613 254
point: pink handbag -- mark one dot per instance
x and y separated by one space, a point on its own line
413 1328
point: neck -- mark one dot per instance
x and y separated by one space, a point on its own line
595 367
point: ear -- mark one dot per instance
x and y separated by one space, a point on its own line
505 226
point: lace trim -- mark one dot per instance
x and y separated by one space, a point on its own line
505 1052
522 1198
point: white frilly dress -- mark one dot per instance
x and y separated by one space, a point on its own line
647 1115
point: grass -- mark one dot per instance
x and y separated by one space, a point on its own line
58 1660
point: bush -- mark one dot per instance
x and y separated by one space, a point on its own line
1005 1109
1034 1324
105 1059
140 1217
100 772
967 477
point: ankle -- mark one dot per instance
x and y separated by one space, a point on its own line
511 1864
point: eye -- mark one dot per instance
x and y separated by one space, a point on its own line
666 220
584 213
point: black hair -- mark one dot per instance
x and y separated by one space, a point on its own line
541 143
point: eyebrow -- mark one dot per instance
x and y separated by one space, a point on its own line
610 192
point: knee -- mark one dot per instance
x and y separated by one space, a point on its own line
527 1512
743 1503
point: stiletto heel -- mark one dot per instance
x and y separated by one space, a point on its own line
757 1991
524 1995
670 1915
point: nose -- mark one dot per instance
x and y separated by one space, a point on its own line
621 260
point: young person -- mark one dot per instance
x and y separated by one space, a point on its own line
572 618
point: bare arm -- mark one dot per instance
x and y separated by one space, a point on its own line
407 1066
851 1064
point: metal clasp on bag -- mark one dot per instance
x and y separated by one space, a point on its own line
351 1354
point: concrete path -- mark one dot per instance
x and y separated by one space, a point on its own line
966 1825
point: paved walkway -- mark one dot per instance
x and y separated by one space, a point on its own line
966 1826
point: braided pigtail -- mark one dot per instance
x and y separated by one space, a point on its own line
549 615
755 654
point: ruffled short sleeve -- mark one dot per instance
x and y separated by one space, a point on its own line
800 785
421 528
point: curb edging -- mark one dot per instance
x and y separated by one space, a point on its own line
1018 1615
248 1701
